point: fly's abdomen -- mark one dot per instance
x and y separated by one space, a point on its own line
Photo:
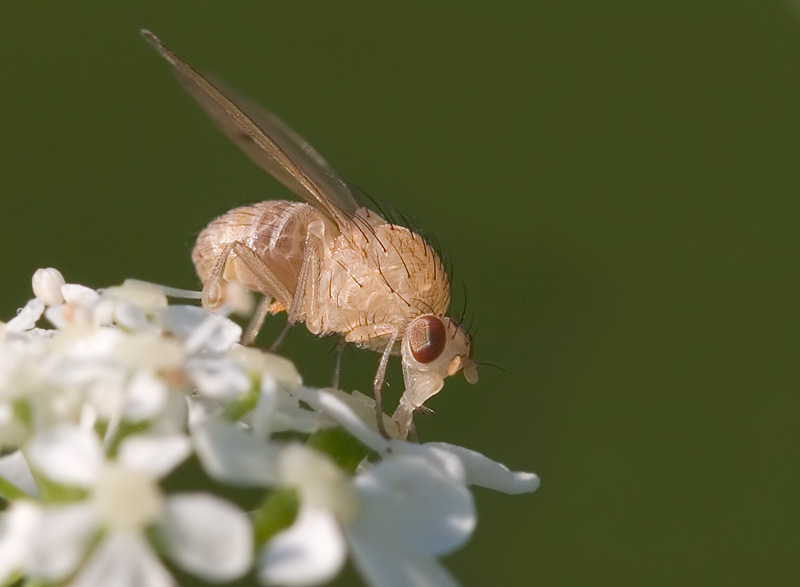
275 230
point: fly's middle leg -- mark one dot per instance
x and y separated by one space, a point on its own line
305 303
257 321
337 368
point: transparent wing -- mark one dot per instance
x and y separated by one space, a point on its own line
269 143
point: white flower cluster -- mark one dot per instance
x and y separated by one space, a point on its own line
126 388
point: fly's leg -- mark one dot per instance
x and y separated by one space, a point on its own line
257 321
214 288
304 304
268 284
337 367
378 383
282 335
412 433
384 331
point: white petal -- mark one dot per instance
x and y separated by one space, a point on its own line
201 409
216 334
364 407
256 362
18 527
156 454
105 395
444 461
94 345
66 454
123 559
173 417
102 312
146 395
147 350
199 329
14 468
279 410
310 551
319 480
27 317
425 509
483 471
62 536
79 294
217 377
230 454
143 295
63 316
383 564
47 285
129 317
208 536
261 421
126 498
344 416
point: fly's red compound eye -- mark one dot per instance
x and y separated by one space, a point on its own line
427 338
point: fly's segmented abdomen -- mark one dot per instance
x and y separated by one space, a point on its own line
275 230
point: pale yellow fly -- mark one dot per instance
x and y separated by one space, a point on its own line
331 262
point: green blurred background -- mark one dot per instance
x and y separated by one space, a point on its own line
616 182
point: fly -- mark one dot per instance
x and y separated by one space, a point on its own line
329 261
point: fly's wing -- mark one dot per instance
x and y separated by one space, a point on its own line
269 143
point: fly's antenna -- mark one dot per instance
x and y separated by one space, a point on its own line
498 367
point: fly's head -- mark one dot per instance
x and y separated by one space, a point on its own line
434 347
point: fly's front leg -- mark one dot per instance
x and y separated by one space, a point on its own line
374 332
380 376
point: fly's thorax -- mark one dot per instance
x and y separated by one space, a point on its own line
380 274
273 230
433 348
411 268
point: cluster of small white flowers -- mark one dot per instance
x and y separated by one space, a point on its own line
98 410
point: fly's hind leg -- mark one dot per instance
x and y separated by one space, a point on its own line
214 288
268 284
